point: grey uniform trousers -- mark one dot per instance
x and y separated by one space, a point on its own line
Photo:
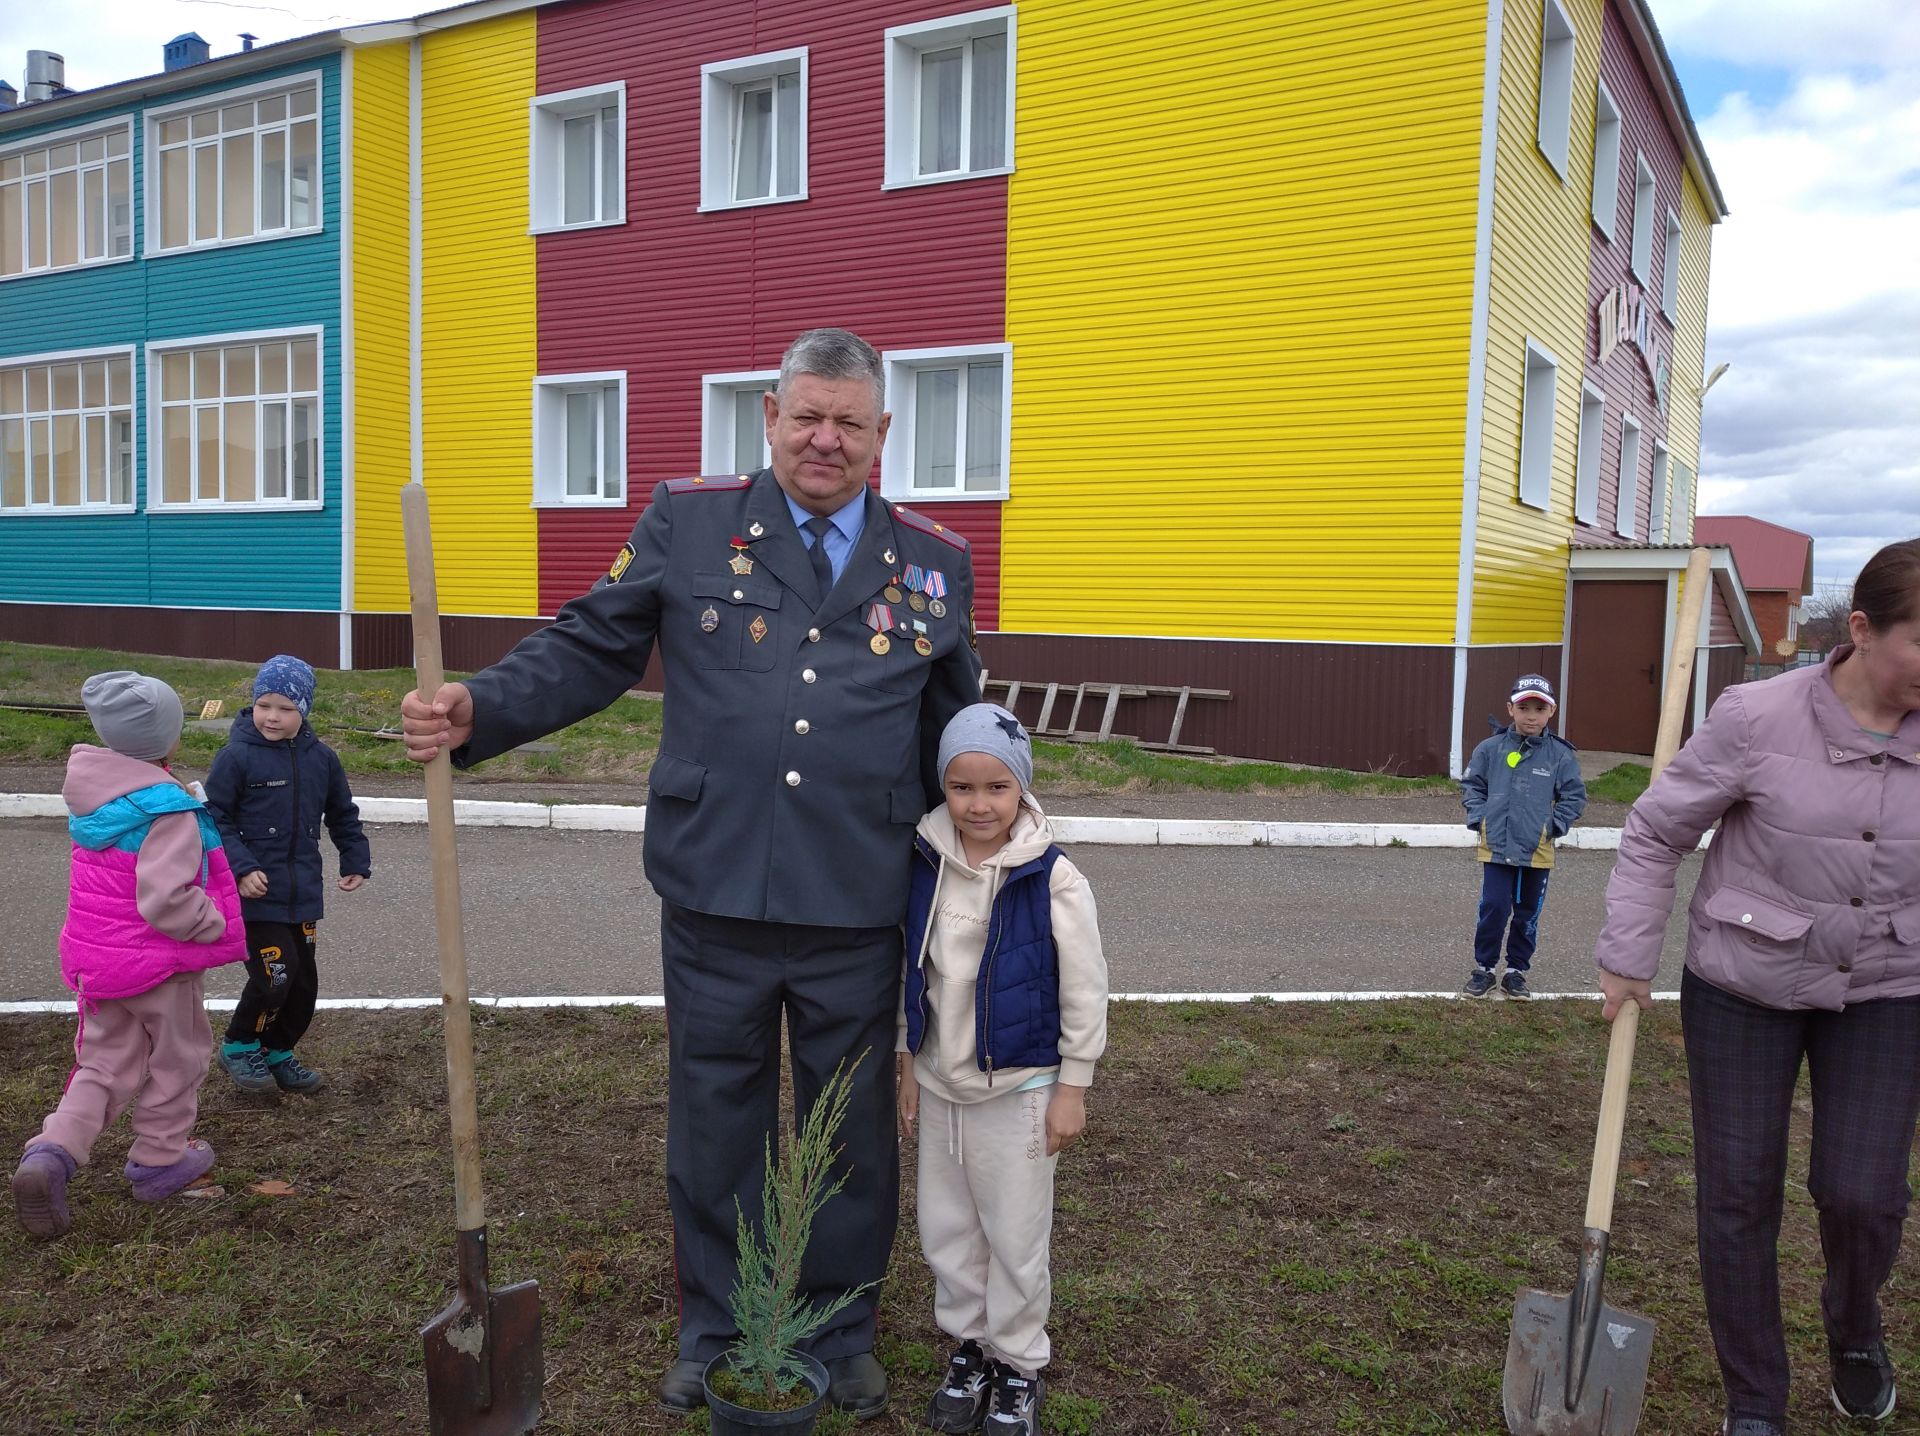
728 982
1743 1061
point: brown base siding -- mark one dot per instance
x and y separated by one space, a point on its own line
385 640
1365 706
246 634
1490 675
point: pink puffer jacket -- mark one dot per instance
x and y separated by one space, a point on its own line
1810 894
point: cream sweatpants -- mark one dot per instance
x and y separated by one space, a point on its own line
986 1221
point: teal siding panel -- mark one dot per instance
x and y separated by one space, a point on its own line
263 560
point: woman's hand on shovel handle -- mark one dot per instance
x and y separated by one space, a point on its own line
446 722
1618 989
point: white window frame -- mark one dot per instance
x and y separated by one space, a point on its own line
549 439
1607 130
717 393
896 465
152 171
1658 496
1553 125
1645 198
157 350
1670 268
1586 460
1540 377
122 126
546 157
720 86
904 46
82 356
1626 483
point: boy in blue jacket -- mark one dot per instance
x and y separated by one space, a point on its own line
1522 790
269 790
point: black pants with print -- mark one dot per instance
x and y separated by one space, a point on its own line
1743 1061
282 985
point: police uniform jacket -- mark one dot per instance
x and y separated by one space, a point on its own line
794 759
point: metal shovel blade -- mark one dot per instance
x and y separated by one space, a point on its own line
483 1354
1576 1366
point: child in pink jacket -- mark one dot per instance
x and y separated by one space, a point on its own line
152 905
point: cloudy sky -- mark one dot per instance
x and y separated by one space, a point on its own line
1811 116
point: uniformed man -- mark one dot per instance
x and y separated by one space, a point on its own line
816 640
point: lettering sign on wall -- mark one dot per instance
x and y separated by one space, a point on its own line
1625 317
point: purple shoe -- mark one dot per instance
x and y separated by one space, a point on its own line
40 1190
156 1184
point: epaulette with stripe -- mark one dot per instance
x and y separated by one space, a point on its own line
718 483
928 526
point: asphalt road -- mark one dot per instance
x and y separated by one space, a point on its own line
571 913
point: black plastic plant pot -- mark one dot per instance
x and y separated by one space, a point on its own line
731 1420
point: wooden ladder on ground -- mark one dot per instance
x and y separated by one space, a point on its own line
1053 693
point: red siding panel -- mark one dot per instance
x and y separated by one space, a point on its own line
674 294
1624 379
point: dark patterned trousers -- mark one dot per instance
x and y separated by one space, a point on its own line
1742 1062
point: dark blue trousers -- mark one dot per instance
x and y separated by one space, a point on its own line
729 982
1510 903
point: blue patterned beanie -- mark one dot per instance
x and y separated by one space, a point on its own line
288 676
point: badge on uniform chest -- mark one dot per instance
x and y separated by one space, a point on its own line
710 620
740 563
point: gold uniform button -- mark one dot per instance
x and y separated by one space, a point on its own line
793 780
813 635
806 675
802 726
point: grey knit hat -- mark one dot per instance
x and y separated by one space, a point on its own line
134 715
988 728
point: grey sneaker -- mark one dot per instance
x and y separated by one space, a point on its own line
1862 1382
249 1070
1480 984
1514 984
291 1075
962 1398
1013 1404
1750 1426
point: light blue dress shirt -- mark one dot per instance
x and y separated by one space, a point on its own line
847 522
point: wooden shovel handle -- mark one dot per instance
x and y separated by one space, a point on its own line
457 1021
1626 1023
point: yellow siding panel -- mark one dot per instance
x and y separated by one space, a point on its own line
1239 293
1538 291
477 314
1689 347
381 446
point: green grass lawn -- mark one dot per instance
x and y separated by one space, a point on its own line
1283 1218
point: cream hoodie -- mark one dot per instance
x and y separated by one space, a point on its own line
957 938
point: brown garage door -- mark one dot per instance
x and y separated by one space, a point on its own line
1613 665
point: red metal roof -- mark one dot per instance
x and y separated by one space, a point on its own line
1769 556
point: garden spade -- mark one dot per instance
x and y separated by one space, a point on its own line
483 1357
1576 1366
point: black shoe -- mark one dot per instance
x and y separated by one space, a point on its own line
1750 1426
292 1075
1514 984
1862 1382
962 1398
682 1388
858 1384
1480 984
1013 1406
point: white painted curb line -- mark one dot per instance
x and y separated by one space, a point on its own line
396 1004
1127 832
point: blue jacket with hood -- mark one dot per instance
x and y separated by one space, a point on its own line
1521 794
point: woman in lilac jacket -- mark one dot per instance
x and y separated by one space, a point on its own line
1803 941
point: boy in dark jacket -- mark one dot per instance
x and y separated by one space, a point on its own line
1522 790
269 790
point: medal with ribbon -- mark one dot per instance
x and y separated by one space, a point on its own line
915 578
879 619
936 591
740 563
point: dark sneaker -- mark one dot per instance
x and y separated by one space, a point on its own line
248 1070
1751 1426
857 1384
292 1075
1013 1404
1480 984
1862 1382
962 1398
40 1190
683 1388
1514 984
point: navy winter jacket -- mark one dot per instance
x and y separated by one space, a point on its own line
1521 794
1016 1019
269 800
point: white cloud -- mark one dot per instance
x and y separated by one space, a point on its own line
1793 34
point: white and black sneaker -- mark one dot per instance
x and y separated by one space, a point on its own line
1013 1406
962 1398
1862 1382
